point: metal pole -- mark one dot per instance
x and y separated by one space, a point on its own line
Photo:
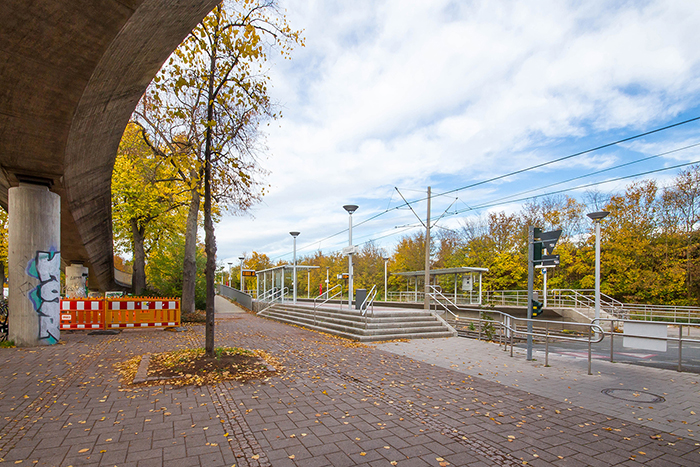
597 269
479 289
589 350
530 285
612 337
386 291
350 208
544 284
328 284
294 267
455 279
680 346
308 283
426 298
242 283
350 284
546 344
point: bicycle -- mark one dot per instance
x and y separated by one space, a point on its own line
4 313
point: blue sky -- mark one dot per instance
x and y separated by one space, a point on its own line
412 94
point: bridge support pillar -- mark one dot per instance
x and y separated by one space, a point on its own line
34 265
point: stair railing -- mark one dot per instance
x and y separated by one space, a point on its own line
368 302
328 297
275 296
436 294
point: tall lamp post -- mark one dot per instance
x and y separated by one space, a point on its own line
294 267
386 291
242 283
350 208
597 217
229 273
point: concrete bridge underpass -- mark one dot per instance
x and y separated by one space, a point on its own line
71 73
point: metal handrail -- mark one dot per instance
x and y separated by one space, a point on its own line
437 291
281 292
264 297
327 293
367 302
272 296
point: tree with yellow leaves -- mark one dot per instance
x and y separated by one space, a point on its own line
204 109
145 205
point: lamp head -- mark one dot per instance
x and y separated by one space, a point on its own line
294 234
241 258
350 208
596 216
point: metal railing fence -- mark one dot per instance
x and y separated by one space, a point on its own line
614 327
507 327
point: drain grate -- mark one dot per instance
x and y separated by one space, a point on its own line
633 395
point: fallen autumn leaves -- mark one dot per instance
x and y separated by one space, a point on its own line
185 367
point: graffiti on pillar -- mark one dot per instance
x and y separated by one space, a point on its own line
45 297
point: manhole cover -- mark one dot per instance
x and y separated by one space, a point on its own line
633 395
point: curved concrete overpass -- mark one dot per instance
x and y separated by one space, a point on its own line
71 73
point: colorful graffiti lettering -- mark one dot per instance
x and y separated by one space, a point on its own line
45 297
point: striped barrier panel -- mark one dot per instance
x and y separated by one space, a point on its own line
142 312
82 313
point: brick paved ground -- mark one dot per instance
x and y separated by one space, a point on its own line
334 404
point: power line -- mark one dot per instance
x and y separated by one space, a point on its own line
598 172
580 153
526 169
484 206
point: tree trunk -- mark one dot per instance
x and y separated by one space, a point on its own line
209 239
189 267
138 278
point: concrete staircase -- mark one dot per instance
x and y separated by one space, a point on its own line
380 325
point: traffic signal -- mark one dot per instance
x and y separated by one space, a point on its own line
537 254
545 241
536 308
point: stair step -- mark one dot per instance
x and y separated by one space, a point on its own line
351 324
372 323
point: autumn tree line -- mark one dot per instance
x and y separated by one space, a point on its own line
650 247
191 150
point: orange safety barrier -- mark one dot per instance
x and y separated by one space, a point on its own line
82 313
142 312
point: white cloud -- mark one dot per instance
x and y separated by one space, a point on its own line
411 93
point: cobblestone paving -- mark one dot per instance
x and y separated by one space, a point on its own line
335 404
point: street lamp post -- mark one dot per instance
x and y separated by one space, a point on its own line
242 283
597 217
294 266
386 291
327 281
350 208
229 273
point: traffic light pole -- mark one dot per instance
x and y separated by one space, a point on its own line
530 286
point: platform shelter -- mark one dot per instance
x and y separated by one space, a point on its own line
470 276
271 281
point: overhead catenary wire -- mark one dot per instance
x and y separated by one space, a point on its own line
580 187
526 169
598 172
